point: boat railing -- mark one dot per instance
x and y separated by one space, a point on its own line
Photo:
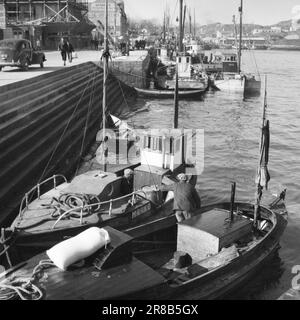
37 188
87 207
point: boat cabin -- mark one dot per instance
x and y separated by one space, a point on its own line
184 63
104 185
193 48
161 153
162 53
207 234
230 62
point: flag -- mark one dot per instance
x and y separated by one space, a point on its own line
263 176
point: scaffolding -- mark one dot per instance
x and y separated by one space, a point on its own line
35 12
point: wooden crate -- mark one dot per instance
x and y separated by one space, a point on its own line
208 233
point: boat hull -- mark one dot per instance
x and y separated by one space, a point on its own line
169 94
230 85
136 280
252 85
220 283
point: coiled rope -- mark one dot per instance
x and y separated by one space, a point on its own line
68 205
3 243
24 288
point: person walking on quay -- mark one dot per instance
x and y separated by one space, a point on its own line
63 48
70 50
186 198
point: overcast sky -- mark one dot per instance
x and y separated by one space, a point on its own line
263 12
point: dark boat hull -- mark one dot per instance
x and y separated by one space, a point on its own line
136 280
25 244
252 85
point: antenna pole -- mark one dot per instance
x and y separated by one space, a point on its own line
241 35
180 26
176 99
105 73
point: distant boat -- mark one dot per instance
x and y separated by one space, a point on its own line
231 78
190 77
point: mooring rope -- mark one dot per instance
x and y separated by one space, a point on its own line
24 288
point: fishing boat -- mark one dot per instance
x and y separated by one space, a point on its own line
231 78
190 78
205 257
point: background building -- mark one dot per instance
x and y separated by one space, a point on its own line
46 21
117 19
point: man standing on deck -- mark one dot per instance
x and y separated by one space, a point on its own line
102 151
186 198
127 182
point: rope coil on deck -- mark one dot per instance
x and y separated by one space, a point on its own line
24 288
79 202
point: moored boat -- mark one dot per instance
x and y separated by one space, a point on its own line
231 78
172 267
95 198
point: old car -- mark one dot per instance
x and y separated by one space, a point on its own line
19 53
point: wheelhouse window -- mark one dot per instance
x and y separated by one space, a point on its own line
169 145
177 145
153 143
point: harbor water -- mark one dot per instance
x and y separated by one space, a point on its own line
232 133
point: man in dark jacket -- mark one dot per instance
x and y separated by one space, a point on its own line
63 48
127 182
186 198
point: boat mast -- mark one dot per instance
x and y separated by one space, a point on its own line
164 28
241 35
176 99
115 26
190 20
235 32
180 46
194 23
105 57
183 24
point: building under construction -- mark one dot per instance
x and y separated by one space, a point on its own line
46 21
117 19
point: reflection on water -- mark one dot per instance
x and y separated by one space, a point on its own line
232 133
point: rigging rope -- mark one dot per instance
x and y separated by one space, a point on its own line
65 129
86 122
